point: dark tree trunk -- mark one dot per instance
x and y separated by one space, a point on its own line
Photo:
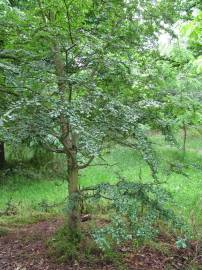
2 155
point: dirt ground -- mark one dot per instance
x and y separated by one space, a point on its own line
25 249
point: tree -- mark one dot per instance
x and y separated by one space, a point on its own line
2 155
6 69
184 100
75 78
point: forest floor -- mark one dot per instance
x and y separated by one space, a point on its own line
25 248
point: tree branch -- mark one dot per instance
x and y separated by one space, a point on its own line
42 12
53 149
68 22
5 54
6 91
83 166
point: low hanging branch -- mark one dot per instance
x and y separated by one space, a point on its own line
83 166
6 91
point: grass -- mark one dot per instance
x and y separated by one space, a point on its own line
36 195
30 199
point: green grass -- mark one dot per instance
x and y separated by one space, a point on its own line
28 199
30 192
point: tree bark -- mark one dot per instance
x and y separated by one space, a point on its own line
2 155
74 197
69 143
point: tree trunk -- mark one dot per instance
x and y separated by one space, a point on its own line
70 145
2 155
184 137
74 199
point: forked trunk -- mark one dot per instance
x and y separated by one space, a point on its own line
2 155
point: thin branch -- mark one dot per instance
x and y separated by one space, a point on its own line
53 149
42 12
104 164
6 91
131 145
168 30
70 92
4 55
68 21
83 166
71 47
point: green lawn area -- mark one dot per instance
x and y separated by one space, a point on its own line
30 196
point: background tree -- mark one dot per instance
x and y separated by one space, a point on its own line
7 71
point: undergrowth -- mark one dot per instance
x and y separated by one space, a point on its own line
65 247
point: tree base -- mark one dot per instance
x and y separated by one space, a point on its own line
70 246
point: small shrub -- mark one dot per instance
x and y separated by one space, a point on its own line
181 243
